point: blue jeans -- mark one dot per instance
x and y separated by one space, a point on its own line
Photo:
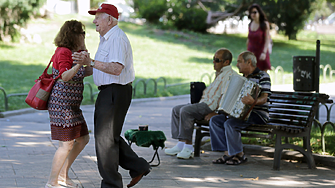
226 133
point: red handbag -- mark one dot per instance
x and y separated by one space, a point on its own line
38 95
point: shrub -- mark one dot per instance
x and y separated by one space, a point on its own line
150 10
186 15
193 19
15 14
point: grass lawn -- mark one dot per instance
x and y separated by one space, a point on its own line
179 57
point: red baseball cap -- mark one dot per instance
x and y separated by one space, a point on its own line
106 8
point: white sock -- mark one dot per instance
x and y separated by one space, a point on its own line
180 145
189 146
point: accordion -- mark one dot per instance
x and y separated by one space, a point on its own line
231 103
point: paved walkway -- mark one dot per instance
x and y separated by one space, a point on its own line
26 152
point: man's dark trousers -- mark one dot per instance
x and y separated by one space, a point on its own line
110 110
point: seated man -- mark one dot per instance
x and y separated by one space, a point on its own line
183 116
226 133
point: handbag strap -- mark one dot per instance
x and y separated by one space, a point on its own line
45 72
46 69
253 104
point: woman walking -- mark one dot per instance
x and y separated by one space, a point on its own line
259 37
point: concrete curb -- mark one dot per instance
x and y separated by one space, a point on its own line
17 112
31 110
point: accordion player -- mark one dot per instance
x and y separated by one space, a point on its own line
231 103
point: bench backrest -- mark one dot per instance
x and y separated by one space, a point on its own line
294 109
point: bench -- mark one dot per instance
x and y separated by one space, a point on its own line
291 115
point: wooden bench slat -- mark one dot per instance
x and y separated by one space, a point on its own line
295 97
293 101
201 128
259 129
267 136
287 127
289 112
287 122
288 106
299 93
289 117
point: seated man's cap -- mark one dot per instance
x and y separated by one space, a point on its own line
106 8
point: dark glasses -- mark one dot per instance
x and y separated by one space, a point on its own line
254 12
83 33
217 60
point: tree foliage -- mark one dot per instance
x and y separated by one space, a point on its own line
289 15
94 4
15 14
150 10
185 15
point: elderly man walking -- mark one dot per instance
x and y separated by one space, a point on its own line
113 73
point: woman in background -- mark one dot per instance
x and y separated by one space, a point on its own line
66 119
259 37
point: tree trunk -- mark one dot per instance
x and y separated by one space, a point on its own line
292 36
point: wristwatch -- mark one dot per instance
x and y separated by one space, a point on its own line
92 63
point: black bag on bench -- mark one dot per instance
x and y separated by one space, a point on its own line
196 91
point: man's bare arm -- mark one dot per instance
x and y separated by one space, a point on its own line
261 99
113 68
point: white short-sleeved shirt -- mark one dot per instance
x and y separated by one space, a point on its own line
114 46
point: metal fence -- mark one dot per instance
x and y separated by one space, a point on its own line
323 125
277 73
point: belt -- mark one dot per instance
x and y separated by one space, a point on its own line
102 87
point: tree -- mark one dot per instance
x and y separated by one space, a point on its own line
15 14
150 10
331 3
288 15
187 15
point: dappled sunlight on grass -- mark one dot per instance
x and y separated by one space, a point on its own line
179 57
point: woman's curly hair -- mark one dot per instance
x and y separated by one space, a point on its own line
69 35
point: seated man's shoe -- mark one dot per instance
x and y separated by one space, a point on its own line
135 180
172 151
186 153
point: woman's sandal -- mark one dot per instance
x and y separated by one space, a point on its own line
222 160
67 183
48 185
236 160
